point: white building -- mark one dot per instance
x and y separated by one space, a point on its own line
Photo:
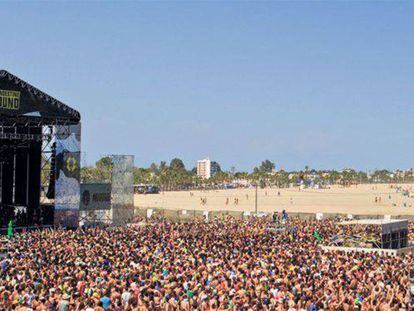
207 168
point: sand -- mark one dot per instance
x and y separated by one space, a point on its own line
355 200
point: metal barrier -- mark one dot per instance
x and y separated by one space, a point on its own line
180 215
3 230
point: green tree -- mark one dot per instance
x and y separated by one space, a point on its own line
381 176
142 175
154 168
193 171
267 166
177 164
104 167
101 172
163 165
241 175
214 163
104 163
220 178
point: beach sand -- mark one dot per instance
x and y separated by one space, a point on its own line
355 200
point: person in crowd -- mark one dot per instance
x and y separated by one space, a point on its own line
223 264
284 215
275 216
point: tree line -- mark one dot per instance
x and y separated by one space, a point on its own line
175 176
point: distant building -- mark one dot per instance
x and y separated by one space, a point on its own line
204 168
207 168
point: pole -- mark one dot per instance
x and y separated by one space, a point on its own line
255 201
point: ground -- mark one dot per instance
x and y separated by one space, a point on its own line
356 200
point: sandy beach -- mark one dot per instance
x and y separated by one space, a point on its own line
356 200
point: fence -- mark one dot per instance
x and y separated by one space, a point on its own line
3 230
188 215
185 215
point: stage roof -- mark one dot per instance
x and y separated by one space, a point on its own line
21 102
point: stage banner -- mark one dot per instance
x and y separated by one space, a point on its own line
122 195
95 196
67 188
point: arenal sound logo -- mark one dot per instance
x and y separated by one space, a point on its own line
9 100
71 164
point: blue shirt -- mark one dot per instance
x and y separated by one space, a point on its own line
106 301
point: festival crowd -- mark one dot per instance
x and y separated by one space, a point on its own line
223 264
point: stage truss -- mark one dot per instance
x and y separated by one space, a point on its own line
122 196
10 132
41 132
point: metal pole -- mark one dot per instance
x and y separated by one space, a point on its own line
255 201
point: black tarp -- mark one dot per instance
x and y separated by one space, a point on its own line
22 102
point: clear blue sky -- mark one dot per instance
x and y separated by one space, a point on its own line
329 85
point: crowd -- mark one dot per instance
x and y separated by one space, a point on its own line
224 264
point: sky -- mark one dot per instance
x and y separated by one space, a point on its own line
329 85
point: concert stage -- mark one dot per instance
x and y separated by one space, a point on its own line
39 157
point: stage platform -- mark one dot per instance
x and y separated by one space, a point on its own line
383 251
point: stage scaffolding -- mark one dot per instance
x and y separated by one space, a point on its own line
40 211
121 211
33 168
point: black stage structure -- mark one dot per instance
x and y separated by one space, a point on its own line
39 157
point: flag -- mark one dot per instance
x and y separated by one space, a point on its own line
316 235
10 229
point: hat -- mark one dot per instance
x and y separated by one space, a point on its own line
65 296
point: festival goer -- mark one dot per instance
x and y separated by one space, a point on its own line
224 264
